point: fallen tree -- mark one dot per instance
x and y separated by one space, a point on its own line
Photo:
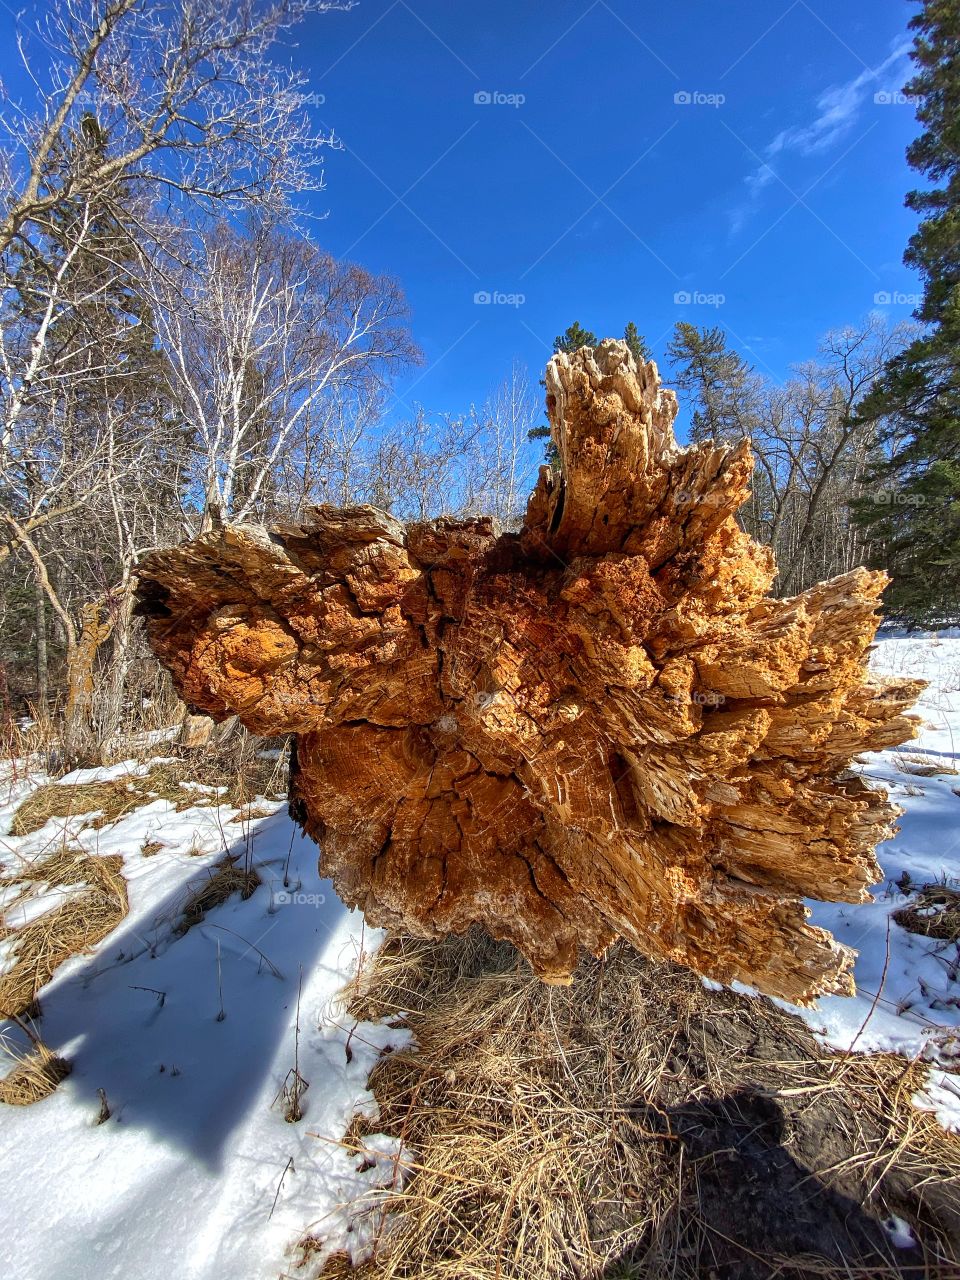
599 726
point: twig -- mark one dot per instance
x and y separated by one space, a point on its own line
289 1165
161 995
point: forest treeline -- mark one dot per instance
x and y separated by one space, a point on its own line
176 351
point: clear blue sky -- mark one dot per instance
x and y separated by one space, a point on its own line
600 197
591 191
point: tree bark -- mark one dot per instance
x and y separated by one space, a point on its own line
601 726
43 663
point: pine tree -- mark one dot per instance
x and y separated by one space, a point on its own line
573 338
637 344
714 377
913 510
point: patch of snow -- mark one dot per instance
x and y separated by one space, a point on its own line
111 772
197 1172
941 1095
900 1233
907 985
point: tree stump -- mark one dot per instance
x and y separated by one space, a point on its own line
598 727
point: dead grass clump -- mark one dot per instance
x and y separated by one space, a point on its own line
934 913
245 767
63 867
112 799
83 919
225 878
635 1124
921 767
235 774
251 814
34 1075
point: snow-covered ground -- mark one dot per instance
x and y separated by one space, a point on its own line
908 985
196 1173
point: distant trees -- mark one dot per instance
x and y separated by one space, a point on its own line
477 463
153 359
915 405
260 332
814 452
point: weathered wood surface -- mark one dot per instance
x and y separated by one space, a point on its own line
598 727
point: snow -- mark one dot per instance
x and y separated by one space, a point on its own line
196 1173
908 985
111 772
183 1176
901 1236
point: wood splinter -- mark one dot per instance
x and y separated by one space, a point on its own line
601 726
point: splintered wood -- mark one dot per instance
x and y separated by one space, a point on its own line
598 727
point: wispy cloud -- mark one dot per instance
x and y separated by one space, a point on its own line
837 109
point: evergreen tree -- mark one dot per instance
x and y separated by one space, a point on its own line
913 510
637 344
715 378
573 338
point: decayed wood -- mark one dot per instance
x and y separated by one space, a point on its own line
598 727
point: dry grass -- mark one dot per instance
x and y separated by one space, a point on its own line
934 913
83 919
225 878
921 767
236 775
34 1075
111 799
636 1125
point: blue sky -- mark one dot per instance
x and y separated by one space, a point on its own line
599 196
601 159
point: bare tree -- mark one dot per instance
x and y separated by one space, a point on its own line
811 449
264 336
504 461
187 96
151 117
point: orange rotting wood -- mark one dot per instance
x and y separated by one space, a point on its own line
599 726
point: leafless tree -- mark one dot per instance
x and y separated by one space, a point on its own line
266 338
185 94
150 118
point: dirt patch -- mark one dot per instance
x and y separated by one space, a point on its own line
636 1124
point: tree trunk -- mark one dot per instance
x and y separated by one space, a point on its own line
97 620
43 662
112 713
601 726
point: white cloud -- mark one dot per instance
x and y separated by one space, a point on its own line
837 109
